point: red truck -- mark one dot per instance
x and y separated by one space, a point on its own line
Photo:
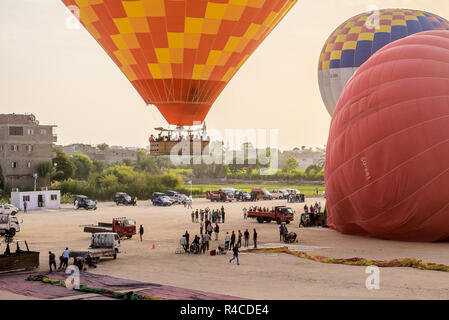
219 196
122 226
279 214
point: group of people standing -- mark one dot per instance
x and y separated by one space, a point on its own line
63 260
230 240
313 211
313 208
207 215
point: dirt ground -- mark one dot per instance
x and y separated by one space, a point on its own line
259 276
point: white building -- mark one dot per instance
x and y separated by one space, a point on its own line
37 200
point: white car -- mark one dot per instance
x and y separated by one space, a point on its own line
8 209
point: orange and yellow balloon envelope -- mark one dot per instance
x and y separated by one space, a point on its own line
180 54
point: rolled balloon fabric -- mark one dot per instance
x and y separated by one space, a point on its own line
358 38
180 54
387 161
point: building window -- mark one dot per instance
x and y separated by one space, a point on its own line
29 164
30 132
29 148
13 164
16 131
54 197
43 132
26 198
14 147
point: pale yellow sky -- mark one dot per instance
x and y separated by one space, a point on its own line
64 77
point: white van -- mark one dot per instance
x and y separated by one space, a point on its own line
8 209
9 225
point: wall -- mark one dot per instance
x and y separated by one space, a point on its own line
17 199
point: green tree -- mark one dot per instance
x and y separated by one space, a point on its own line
315 167
146 163
65 169
44 170
103 146
291 164
99 166
83 165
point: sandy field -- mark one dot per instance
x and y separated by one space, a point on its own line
259 275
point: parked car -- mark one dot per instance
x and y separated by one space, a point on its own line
293 191
285 193
173 195
233 190
8 209
240 195
163 201
260 193
277 194
123 198
182 198
156 195
86 203
213 195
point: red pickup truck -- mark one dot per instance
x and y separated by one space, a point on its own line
279 214
122 226
219 196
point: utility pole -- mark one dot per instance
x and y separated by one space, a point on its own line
35 181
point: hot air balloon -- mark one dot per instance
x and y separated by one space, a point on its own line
387 165
179 55
357 39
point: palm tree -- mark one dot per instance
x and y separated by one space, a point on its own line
322 160
44 170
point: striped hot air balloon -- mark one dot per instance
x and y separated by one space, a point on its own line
180 54
357 39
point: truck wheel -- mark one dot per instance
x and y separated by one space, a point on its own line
12 232
287 222
117 203
259 219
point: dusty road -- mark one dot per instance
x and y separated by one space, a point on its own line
260 276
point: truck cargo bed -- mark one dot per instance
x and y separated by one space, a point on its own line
93 253
26 260
105 224
97 229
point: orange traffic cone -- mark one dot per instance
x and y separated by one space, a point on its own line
154 247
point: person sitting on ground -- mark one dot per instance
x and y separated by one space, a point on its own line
221 250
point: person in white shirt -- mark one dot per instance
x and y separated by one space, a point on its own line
65 256
245 212
76 204
227 240
183 243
